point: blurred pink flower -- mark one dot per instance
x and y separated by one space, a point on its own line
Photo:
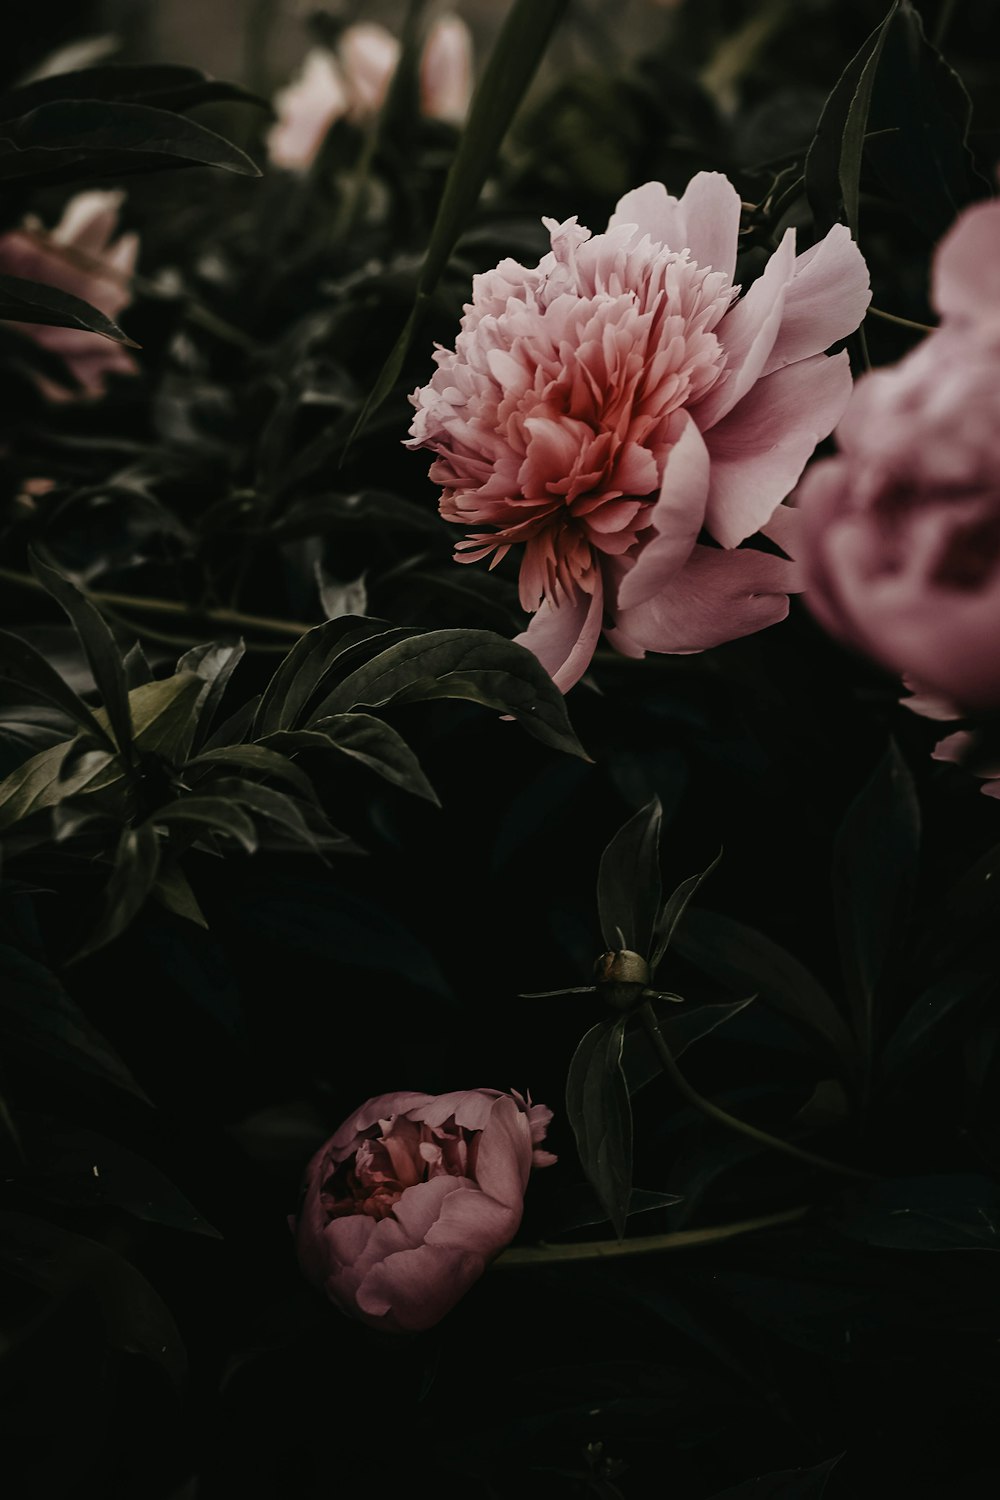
604 407
353 84
446 71
79 256
411 1198
901 531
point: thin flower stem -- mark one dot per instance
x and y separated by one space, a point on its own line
648 1244
230 618
713 1112
888 317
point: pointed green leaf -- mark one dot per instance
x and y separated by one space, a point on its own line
194 816
856 125
28 667
628 882
258 758
299 674
377 745
71 1165
135 1318
215 664
120 127
99 646
137 861
738 955
598 1109
789 1484
24 301
674 908
173 890
680 1027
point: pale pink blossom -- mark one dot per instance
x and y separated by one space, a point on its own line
353 82
901 530
610 406
446 71
81 256
406 1204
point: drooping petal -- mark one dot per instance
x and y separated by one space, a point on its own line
825 300
759 450
965 283
381 1107
718 596
564 636
711 208
503 1163
675 519
654 212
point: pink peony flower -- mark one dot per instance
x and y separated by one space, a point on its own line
901 531
80 256
408 1201
603 408
353 84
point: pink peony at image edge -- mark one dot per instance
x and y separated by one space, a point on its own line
900 534
80 256
605 408
405 1205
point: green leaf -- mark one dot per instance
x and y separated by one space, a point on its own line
366 509
260 758
36 1012
173 890
215 664
169 86
909 1042
67 1164
960 1212
278 808
505 79
739 955
598 1109
856 125
137 862
165 715
137 670
285 698
91 125
789 1484
674 908
681 1026
475 665
26 666
628 882
381 748
99 646
24 301
194 816
826 165
874 876
135 1318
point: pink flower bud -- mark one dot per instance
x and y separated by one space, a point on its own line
446 71
407 1203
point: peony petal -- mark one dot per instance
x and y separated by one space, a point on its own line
503 1162
470 1108
965 282
675 519
654 212
747 334
563 637
718 596
345 1140
476 1222
759 450
414 1289
711 207
825 300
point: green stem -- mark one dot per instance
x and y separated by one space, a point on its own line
888 317
944 20
230 618
713 1112
648 1244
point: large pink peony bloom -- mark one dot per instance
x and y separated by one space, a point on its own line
409 1200
604 408
353 84
82 257
901 531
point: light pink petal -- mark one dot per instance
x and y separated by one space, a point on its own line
711 209
420 1207
414 1289
784 526
718 596
345 1140
965 283
471 1108
503 1162
347 1240
747 334
759 451
654 212
446 70
476 1222
675 519
926 704
563 637
825 300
